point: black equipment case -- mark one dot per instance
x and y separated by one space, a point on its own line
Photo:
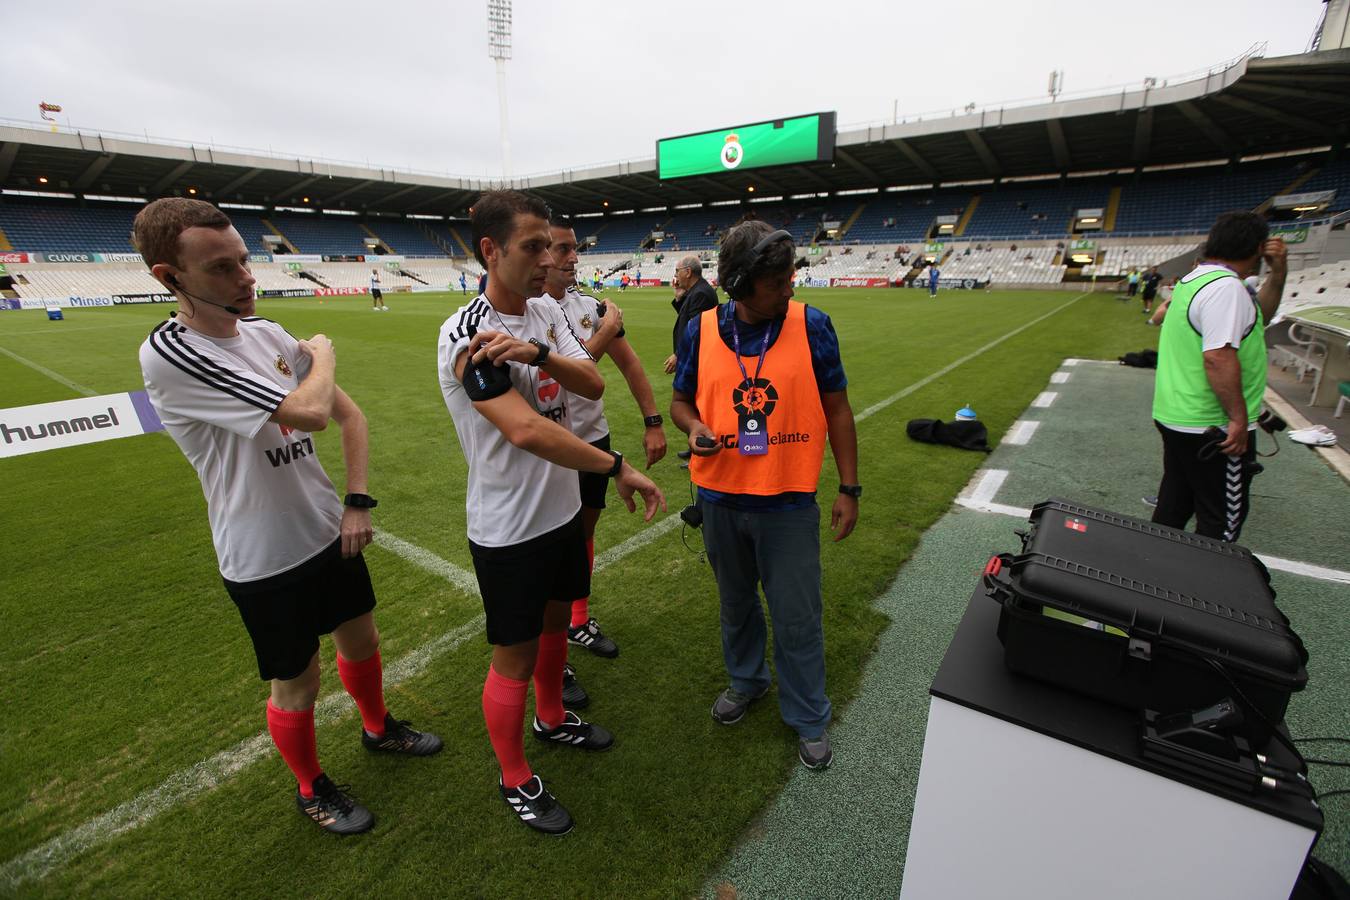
1174 621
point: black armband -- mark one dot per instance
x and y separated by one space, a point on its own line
484 380
600 310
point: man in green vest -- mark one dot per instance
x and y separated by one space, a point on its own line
1212 376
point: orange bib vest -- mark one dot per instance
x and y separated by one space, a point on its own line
786 394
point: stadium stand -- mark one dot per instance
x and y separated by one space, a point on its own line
1033 210
1189 200
1117 259
322 234
251 229
410 238
905 216
68 228
628 232
1334 176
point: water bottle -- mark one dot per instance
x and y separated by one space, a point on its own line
965 414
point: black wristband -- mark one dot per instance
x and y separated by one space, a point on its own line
653 421
851 490
543 352
360 501
618 464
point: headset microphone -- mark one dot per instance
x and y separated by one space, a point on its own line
232 310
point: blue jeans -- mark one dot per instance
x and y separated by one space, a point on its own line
781 551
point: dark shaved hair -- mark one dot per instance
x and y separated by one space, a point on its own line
494 216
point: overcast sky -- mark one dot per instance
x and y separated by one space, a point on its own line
401 83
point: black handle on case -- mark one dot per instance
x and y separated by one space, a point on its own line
996 582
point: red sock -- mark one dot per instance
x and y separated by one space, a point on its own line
293 733
581 609
548 678
364 680
504 712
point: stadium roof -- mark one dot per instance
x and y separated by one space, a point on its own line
1251 107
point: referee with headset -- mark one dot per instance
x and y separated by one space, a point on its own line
759 387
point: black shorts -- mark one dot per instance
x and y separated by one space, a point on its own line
518 581
593 486
375 293
286 613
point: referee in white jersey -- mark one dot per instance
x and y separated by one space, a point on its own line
240 396
599 327
508 367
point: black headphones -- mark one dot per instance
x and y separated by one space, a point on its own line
740 280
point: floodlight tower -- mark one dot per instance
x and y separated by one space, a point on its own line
499 49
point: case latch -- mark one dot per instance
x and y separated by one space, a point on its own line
1141 649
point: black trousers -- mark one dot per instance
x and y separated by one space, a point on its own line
1215 490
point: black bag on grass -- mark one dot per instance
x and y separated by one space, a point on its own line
963 435
1144 359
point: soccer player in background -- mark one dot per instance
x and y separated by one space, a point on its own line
241 397
599 328
508 367
933 274
376 297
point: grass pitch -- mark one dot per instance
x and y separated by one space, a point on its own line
127 666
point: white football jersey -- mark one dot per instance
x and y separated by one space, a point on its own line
269 501
588 416
513 495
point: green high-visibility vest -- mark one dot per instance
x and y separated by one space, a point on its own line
1182 394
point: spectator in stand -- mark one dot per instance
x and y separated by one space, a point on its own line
1151 282
693 295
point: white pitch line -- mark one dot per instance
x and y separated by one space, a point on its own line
999 508
636 542
987 487
428 561
1044 399
207 774
1293 567
1059 377
54 376
1021 431
60 330
905 392
211 773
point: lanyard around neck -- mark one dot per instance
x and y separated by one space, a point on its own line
736 345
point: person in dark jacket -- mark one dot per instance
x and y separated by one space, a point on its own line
693 296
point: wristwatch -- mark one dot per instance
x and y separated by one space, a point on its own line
653 421
618 463
851 490
543 352
360 501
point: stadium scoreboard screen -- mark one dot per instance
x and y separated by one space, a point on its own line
776 143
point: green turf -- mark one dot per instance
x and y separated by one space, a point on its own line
126 662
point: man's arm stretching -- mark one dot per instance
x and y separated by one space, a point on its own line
844 445
357 531
653 438
536 434
580 376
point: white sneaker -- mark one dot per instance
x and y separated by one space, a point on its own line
384 308
1316 436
